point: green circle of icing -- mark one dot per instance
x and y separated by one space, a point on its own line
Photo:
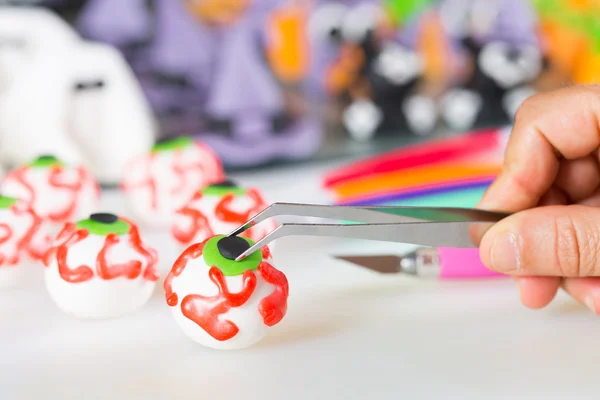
173 144
213 258
6 202
220 191
119 227
45 161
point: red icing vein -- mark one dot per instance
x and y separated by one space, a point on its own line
54 180
266 252
205 310
22 243
198 222
148 182
223 211
81 273
55 176
273 307
192 252
132 269
202 164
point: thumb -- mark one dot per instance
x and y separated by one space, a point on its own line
545 241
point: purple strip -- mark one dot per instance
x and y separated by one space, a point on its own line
418 193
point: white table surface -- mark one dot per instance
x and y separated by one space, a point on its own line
348 334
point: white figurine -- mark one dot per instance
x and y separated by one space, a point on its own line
110 119
222 303
65 96
57 192
218 209
34 70
18 225
160 183
100 268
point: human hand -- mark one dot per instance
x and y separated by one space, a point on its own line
550 180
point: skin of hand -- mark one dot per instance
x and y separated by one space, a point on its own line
550 181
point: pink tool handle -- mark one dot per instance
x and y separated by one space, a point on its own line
463 264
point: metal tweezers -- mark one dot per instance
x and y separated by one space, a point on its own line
423 226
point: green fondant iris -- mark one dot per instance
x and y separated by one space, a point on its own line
6 202
213 258
118 227
173 144
45 161
220 191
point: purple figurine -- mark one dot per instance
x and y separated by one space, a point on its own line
206 73
501 38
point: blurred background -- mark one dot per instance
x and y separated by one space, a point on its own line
265 82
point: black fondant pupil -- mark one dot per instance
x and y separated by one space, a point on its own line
226 183
231 247
104 218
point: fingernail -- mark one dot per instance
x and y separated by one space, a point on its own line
590 303
505 255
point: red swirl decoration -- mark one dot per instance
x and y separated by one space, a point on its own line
148 182
6 233
266 252
207 164
198 223
105 270
22 245
226 213
55 180
206 311
274 306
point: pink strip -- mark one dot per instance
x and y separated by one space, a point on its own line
463 264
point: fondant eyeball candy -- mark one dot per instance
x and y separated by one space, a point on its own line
56 192
160 183
222 303
18 224
100 268
219 209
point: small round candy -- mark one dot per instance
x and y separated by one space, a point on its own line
18 225
222 303
163 181
57 193
219 209
100 268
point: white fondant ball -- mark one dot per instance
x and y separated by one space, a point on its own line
195 280
155 189
97 297
206 205
48 200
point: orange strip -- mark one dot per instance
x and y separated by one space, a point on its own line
417 177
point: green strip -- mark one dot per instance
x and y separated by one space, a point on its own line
213 258
119 227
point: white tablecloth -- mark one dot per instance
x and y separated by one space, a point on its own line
349 334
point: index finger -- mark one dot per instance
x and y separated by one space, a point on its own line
549 126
